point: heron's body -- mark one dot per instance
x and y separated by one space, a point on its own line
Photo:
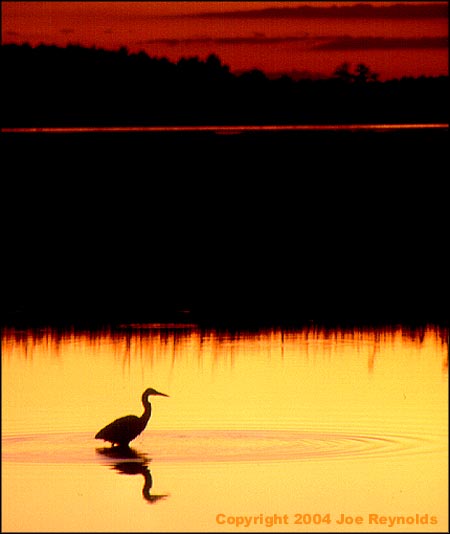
125 429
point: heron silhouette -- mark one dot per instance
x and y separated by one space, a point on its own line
123 430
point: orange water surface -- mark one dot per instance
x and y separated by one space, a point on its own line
307 429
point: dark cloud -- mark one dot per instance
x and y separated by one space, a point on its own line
315 42
256 39
382 43
363 10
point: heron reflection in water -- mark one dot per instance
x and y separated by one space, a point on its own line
133 462
138 468
123 430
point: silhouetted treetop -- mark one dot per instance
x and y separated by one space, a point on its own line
75 85
361 74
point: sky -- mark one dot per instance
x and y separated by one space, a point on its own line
394 39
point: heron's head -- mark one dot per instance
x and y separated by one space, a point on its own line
151 391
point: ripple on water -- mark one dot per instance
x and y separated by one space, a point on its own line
217 446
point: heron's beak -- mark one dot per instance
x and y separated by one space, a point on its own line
162 394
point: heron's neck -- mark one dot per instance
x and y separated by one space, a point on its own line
147 410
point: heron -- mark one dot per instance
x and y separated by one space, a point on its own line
123 430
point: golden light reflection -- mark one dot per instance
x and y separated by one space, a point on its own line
233 129
218 380
272 421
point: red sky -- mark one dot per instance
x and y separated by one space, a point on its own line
394 38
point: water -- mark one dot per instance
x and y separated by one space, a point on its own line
229 130
272 429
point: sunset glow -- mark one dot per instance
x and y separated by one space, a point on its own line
304 38
239 205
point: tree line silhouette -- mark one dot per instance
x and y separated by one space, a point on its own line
74 86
